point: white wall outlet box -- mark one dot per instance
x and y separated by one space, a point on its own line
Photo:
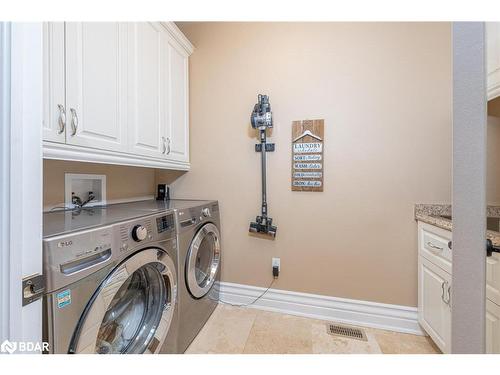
276 262
81 185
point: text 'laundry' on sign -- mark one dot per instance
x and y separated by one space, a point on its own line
301 148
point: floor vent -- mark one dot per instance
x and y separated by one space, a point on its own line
346 331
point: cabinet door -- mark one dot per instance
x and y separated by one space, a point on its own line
492 328
96 90
148 99
178 132
54 106
434 313
493 59
493 278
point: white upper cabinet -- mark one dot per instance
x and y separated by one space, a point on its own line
178 90
493 59
96 78
54 105
148 101
117 93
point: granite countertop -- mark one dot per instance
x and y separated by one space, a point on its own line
433 214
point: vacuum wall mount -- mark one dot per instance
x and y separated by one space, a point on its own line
261 119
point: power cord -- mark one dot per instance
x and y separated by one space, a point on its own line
251 303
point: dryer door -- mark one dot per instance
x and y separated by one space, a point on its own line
132 310
202 263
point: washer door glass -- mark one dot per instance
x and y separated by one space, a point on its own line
134 313
132 310
203 260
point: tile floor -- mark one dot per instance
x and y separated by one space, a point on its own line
236 330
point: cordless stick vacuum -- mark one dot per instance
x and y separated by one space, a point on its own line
262 119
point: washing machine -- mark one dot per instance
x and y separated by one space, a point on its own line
198 228
111 281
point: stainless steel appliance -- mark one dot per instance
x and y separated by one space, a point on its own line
111 280
199 267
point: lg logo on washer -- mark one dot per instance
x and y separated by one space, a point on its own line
23 347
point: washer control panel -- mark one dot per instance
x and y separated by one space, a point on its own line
142 231
139 233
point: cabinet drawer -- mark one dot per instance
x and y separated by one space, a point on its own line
433 245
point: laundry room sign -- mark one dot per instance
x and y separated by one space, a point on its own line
307 155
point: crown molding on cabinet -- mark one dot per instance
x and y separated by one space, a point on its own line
178 36
62 151
348 311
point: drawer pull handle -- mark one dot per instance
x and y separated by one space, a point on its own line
432 246
81 264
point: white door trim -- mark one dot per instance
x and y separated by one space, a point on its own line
349 311
21 176
468 290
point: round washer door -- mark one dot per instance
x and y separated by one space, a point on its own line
132 310
203 260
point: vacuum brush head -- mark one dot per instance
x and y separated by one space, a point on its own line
263 226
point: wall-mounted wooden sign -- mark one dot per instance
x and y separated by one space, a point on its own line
307 155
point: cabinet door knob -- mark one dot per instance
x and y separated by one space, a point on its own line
62 118
168 146
490 248
74 121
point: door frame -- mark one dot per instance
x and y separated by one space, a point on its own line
21 186
468 294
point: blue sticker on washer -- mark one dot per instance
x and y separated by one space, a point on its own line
63 298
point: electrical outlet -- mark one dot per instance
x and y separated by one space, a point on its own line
276 262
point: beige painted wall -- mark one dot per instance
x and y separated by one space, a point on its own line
122 182
384 91
493 153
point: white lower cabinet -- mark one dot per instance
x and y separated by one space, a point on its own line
434 289
434 309
493 278
116 93
492 328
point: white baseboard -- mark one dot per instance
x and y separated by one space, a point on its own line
362 313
